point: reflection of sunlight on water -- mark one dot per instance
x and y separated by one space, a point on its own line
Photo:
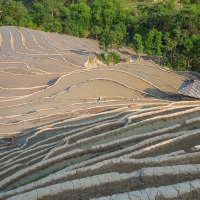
51 82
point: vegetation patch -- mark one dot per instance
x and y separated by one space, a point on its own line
111 58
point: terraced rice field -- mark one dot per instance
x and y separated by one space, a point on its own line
72 132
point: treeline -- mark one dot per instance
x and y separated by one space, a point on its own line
167 29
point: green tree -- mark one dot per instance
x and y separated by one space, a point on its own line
189 18
13 13
113 38
153 42
191 49
40 14
108 39
138 44
80 14
96 14
109 13
96 30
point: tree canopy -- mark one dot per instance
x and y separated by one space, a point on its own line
166 29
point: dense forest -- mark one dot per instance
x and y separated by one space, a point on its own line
168 29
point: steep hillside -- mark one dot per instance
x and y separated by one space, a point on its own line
110 132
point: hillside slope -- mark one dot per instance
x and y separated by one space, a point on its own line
69 132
